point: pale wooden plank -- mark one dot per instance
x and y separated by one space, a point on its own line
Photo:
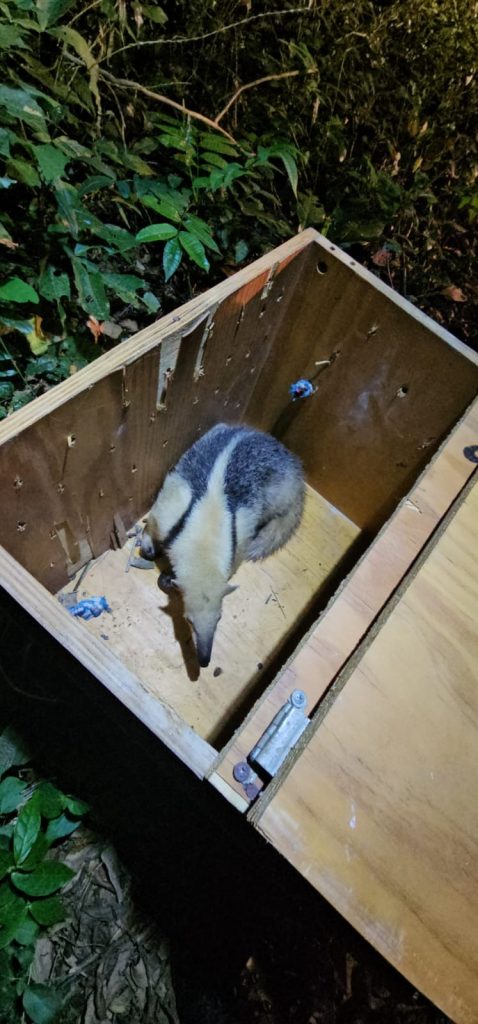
105 666
351 612
272 597
379 812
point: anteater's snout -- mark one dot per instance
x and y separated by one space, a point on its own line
204 650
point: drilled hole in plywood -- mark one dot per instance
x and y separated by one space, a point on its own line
71 440
402 391
261 314
216 391
52 565
321 267
52 534
134 469
101 493
130 499
165 443
60 487
17 483
228 360
152 417
21 527
112 447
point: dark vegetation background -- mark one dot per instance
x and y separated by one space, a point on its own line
115 208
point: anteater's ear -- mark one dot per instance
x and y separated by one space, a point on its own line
231 587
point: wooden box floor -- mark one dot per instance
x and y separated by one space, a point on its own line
147 632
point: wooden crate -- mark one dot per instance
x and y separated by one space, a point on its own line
370 611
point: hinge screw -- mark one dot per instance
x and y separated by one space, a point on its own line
242 772
298 699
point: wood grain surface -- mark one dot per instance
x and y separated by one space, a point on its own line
380 811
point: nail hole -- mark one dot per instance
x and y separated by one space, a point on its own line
152 417
332 248
402 391
261 314
352 263
280 297
226 402
52 565
134 469
71 440
216 391
195 400
247 355
112 447
252 369
52 534
228 360
60 488
130 499
321 267
165 443
21 527
101 493
237 405
18 482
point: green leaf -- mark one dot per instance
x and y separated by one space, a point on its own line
59 827
43 880
21 104
214 159
155 13
94 184
21 170
151 301
72 38
48 799
199 227
217 144
13 750
91 290
241 251
10 36
119 237
194 248
26 932
54 285
37 852
49 911
124 285
16 915
16 290
11 793
165 206
26 831
5 862
42 1003
5 140
49 11
291 168
51 161
172 256
75 806
156 233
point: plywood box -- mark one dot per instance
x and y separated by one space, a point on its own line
367 618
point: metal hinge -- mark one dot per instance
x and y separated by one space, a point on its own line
276 742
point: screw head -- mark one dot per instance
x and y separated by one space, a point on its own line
242 772
298 699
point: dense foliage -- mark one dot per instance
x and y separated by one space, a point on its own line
117 205
34 816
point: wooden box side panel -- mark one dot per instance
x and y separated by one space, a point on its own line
379 812
78 477
105 666
395 387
